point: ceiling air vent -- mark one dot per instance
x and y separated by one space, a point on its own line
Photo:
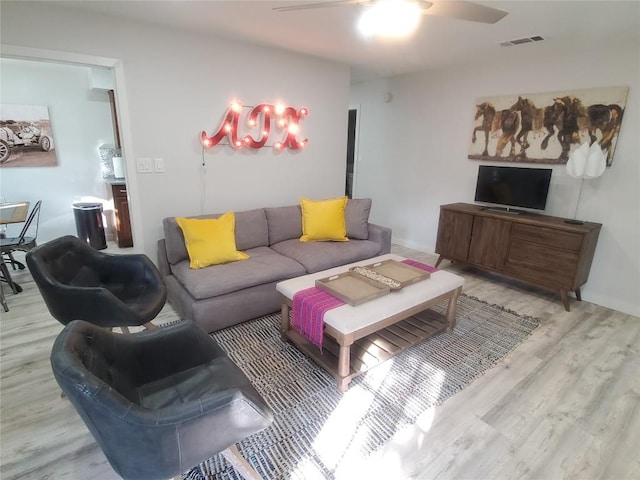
520 41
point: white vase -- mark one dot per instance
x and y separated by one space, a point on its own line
118 167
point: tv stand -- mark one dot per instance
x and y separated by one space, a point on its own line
537 249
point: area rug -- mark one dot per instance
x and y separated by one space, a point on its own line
319 432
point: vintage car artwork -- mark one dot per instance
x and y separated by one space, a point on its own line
23 135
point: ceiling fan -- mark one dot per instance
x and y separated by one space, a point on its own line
458 9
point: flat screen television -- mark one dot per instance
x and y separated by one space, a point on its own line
513 186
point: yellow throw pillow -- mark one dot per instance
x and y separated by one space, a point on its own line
323 220
210 241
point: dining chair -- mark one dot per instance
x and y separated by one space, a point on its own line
3 301
23 242
3 229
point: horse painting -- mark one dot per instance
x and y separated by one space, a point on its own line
534 119
572 111
487 112
546 127
528 112
508 122
607 119
552 120
505 121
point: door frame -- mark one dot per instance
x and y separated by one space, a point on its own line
39 54
356 150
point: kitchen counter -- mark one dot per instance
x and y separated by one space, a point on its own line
115 181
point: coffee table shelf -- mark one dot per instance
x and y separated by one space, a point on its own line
375 348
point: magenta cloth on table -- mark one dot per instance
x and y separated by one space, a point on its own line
309 307
419 265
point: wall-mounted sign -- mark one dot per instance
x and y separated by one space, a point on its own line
260 119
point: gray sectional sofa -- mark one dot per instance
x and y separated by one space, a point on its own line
218 296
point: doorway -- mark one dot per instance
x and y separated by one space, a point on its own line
351 152
116 66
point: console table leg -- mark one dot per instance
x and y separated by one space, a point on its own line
578 294
440 258
565 299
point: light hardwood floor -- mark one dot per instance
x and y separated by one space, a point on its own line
564 405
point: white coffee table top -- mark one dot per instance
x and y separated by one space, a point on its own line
347 319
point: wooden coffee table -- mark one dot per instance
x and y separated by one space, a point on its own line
359 338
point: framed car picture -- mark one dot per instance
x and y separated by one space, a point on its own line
26 138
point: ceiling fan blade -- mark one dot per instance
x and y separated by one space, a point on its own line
473 12
309 6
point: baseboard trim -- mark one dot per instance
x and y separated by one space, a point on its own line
403 242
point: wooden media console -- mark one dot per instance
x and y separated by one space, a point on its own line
538 249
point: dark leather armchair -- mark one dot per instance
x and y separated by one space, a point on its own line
160 401
79 282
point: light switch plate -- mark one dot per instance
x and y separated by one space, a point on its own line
144 165
158 164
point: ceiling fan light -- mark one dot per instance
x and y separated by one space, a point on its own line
390 18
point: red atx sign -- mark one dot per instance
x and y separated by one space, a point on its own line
260 117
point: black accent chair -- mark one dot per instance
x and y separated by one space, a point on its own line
79 282
160 401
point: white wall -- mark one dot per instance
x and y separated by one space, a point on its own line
413 154
81 122
178 84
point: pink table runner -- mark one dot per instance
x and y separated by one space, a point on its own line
310 305
419 265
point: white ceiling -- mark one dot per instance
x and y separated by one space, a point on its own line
330 32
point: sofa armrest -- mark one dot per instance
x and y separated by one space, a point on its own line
382 236
163 262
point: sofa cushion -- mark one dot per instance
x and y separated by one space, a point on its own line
323 220
251 229
316 256
251 232
210 241
357 218
263 266
285 223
